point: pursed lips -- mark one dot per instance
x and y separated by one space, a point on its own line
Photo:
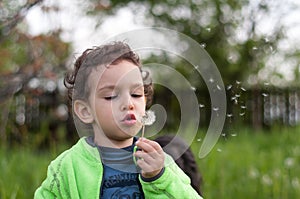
129 119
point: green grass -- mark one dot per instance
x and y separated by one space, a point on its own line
253 165
249 165
22 170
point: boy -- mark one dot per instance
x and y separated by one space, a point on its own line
109 93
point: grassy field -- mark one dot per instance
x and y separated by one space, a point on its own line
244 165
251 164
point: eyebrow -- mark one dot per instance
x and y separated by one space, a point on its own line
112 87
106 87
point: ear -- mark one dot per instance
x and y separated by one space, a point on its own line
83 111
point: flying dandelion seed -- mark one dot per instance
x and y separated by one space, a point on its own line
237 82
196 67
193 88
233 135
201 105
242 114
237 95
216 108
219 150
243 107
211 80
264 94
243 89
208 29
203 45
229 87
218 87
229 115
199 140
266 83
234 99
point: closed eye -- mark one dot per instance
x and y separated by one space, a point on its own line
110 97
136 95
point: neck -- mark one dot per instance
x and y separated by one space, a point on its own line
112 143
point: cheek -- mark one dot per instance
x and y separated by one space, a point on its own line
141 106
103 111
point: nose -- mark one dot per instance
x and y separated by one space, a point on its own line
127 105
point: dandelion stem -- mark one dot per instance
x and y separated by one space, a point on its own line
143 130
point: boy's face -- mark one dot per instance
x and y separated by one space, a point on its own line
117 100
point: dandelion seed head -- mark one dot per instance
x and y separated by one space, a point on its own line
253 173
148 118
296 183
266 180
289 162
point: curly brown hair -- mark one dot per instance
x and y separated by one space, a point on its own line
104 55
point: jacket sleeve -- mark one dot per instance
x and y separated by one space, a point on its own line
50 187
54 186
173 183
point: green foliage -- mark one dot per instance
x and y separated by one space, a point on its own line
229 29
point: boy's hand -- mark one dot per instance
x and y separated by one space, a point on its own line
150 158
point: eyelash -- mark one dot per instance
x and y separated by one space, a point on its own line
115 96
110 97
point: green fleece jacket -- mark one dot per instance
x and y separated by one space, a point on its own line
77 173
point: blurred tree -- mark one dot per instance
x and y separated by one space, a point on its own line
230 30
30 67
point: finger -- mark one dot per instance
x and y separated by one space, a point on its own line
146 157
155 162
149 145
146 167
152 143
147 150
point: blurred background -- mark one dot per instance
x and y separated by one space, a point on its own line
254 43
